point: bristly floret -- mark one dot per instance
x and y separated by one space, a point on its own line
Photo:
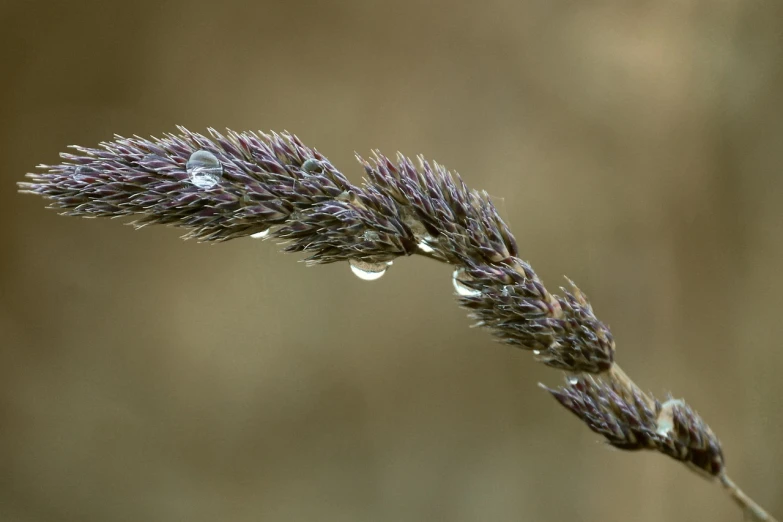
563 332
631 420
460 225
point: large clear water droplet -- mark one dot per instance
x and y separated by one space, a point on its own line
369 271
204 169
260 235
461 288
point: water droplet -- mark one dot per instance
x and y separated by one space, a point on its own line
460 287
81 172
573 380
371 235
665 420
260 235
536 352
311 165
204 169
369 271
424 247
346 195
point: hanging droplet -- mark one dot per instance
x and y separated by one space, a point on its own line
536 352
260 235
573 379
204 169
460 287
368 271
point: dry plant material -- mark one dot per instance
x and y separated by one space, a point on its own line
273 186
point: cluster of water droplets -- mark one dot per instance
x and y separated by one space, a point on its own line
369 271
204 169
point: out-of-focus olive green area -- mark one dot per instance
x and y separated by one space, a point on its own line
635 146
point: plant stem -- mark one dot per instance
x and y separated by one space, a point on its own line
752 510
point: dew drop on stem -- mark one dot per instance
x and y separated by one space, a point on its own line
204 169
368 271
260 235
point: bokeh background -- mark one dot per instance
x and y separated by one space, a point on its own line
636 146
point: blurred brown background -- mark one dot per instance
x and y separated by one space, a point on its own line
635 146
